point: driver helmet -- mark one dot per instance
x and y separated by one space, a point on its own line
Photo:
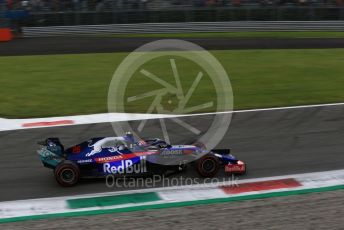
122 146
142 143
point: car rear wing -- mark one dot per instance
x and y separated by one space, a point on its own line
52 142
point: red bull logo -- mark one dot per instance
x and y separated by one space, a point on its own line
126 167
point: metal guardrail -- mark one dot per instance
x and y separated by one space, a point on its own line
185 27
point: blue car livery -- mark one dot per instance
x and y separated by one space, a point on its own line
128 156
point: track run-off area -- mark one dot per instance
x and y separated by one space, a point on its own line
273 142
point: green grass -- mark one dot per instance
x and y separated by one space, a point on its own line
287 34
41 86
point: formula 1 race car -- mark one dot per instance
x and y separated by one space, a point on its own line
128 156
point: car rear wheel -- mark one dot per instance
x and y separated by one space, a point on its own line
207 166
67 173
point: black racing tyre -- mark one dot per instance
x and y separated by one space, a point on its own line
67 173
207 166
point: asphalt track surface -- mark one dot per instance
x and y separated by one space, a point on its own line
278 142
74 45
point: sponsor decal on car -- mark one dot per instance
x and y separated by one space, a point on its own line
171 152
109 159
76 149
126 167
234 168
123 156
188 151
85 161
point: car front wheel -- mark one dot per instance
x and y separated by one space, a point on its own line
207 166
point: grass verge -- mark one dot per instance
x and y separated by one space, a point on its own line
52 85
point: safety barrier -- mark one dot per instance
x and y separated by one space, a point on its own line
185 27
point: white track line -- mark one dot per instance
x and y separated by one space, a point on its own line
269 109
15 124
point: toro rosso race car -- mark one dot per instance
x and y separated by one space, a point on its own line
128 156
